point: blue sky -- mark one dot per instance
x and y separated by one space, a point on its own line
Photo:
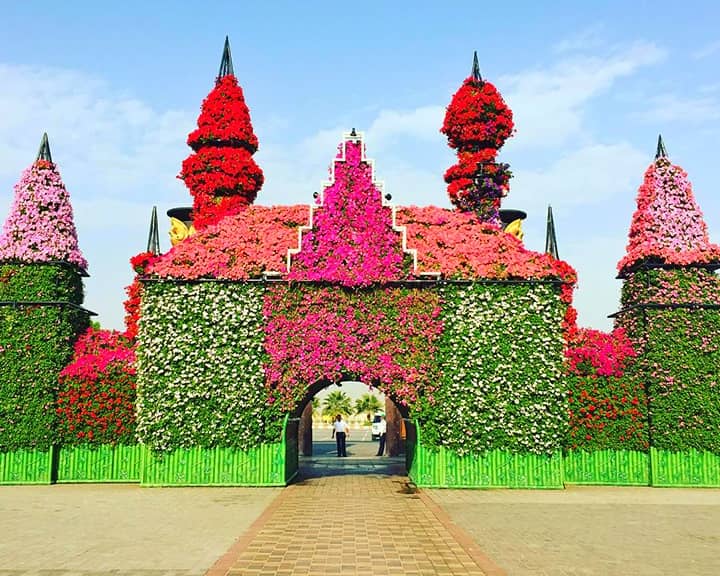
118 87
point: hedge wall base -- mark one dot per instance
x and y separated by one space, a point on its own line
26 467
607 467
260 466
440 468
691 469
100 464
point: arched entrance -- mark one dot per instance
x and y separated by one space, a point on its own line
309 433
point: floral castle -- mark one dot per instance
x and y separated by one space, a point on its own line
255 309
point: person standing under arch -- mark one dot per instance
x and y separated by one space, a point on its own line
381 436
340 431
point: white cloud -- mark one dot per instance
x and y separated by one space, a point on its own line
117 156
590 176
548 104
674 108
707 50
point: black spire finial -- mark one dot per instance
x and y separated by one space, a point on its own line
353 133
550 238
661 150
44 151
476 69
226 66
153 244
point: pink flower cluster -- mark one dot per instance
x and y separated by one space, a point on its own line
386 338
668 225
95 350
460 246
352 241
239 247
599 353
40 226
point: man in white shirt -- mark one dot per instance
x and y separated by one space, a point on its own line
340 431
383 433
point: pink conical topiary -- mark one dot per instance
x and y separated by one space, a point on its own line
351 240
40 226
668 226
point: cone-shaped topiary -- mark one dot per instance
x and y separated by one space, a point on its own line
668 226
40 226
222 175
477 123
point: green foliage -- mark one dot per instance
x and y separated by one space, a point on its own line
337 402
682 366
200 360
679 354
367 404
35 345
501 357
40 282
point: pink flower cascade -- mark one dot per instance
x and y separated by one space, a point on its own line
352 241
460 246
384 337
599 353
40 227
668 224
95 350
241 246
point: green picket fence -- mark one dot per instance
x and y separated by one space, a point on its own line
607 467
690 468
26 467
100 463
260 466
441 468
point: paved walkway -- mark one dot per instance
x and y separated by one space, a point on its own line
592 530
127 530
340 523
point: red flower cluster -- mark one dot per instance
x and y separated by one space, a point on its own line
96 396
477 117
223 181
224 118
222 175
606 409
477 123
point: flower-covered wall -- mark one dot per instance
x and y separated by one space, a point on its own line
200 362
449 316
500 360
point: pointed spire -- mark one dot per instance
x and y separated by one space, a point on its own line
153 244
226 65
44 151
476 69
550 238
661 151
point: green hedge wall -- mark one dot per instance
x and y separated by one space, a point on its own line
679 354
200 361
501 357
44 282
36 343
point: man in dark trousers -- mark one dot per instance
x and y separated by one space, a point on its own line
340 431
383 433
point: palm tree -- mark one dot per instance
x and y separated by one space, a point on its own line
367 404
316 407
337 402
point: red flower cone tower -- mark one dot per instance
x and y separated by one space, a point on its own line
221 174
477 123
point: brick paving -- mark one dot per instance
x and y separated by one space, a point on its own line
592 530
340 524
